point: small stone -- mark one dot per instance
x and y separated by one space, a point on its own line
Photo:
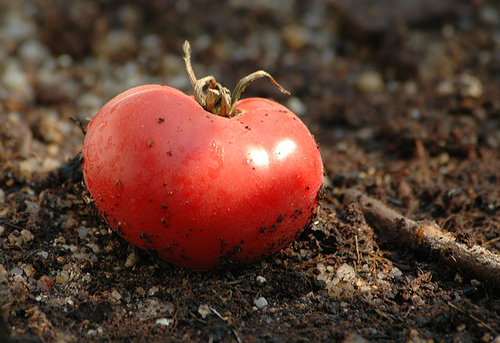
15 239
16 80
354 337
295 36
43 254
16 272
62 278
116 45
417 301
296 106
475 283
153 290
470 86
32 51
45 283
116 295
140 291
260 280
395 272
164 321
370 82
261 302
82 232
29 270
204 310
4 276
132 259
70 223
27 236
346 273
95 248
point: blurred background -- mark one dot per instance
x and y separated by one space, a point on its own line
343 61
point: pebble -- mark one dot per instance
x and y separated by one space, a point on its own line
62 277
43 254
164 321
82 232
354 337
29 270
27 236
153 290
132 259
33 52
17 28
117 44
296 106
16 80
45 283
396 272
17 272
346 273
204 310
116 295
260 280
95 248
261 302
470 86
370 82
295 36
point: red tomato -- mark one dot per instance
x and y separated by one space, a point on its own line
198 188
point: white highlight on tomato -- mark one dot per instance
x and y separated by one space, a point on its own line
285 148
259 157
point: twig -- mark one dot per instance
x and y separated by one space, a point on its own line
428 237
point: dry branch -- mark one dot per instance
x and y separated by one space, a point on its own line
427 237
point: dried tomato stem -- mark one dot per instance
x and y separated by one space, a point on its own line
187 59
243 83
215 98
199 86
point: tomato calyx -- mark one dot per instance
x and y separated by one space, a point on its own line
214 97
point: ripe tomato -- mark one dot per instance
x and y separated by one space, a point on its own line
198 188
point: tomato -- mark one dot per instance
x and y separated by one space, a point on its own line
198 188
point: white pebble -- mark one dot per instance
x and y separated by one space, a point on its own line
82 232
261 302
164 321
395 272
153 290
346 273
370 82
43 254
203 310
32 51
16 272
116 295
260 280
296 106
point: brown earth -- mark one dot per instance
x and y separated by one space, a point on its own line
402 97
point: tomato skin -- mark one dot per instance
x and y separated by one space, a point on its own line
197 188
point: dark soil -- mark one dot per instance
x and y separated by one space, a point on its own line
402 96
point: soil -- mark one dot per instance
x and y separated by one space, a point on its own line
402 97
